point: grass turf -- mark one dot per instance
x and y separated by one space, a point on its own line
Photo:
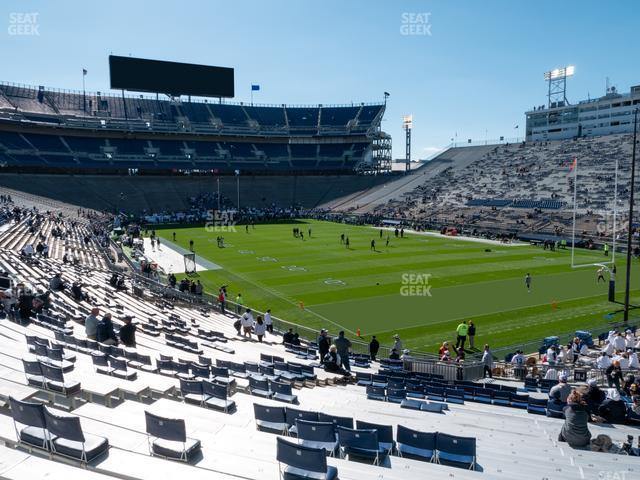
359 288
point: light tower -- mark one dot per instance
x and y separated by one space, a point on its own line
557 80
407 124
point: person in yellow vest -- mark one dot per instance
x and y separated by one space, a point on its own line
462 334
606 250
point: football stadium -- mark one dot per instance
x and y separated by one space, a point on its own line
286 240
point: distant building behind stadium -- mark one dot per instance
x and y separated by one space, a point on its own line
610 114
49 130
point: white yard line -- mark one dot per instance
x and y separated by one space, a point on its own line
497 243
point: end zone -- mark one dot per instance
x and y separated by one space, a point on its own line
170 258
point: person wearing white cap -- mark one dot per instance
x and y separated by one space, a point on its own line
560 391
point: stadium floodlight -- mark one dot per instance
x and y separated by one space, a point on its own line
407 122
557 80
563 72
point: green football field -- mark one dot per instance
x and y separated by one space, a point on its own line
419 286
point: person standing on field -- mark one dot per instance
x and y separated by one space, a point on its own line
471 332
462 331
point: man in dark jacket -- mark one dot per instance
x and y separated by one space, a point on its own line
128 332
104 331
614 374
288 336
593 397
613 409
343 345
323 344
374 346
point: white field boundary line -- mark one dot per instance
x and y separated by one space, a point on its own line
460 237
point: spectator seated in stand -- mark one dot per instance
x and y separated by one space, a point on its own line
56 283
575 430
332 362
613 409
78 294
594 396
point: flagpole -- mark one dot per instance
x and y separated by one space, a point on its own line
629 228
218 181
84 95
615 215
575 192
238 190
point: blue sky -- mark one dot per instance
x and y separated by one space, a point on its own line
476 73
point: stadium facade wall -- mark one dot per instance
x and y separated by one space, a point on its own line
171 193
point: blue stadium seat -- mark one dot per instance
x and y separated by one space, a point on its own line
416 444
360 443
71 441
317 435
303 462
456 450
270 418
385 434
376 393
167 437
31 416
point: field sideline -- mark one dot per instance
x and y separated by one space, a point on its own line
419 286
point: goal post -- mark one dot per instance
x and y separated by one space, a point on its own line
189 263
614 229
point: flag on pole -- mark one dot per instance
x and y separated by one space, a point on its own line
255 88
84 71
574 164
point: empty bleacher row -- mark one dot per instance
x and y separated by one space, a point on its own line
77 243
